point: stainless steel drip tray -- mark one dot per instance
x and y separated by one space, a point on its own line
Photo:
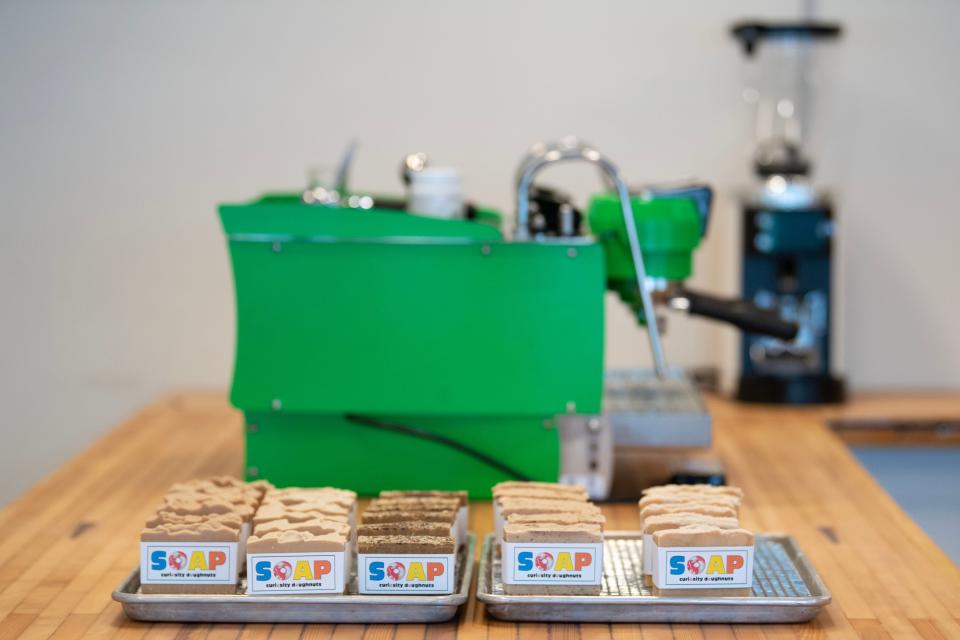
786 589
350 607
647 411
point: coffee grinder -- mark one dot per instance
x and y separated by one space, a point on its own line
787 224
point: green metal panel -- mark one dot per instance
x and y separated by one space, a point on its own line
281 217
436 324
313 449
426 329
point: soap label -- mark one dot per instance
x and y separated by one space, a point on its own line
534 563
194 562
406 573
295 572
703 567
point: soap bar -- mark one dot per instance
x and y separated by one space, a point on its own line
194 557
552 559
285 560
703 559
407 564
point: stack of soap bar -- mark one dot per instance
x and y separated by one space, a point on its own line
302 542
460 524
408 542
693 543
542 502
550 537
194 542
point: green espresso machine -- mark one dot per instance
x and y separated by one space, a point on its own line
380 348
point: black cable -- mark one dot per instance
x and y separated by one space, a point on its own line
488 460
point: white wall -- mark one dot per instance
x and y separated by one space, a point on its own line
124 123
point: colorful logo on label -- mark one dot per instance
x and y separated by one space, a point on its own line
566 561
267 570
199 563
382 572
726 564
552 563
295 573
197 560
397 572
703 568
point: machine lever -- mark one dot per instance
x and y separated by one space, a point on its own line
740 313
570 149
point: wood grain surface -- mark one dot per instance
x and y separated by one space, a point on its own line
66 544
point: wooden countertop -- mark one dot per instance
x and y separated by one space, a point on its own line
68 542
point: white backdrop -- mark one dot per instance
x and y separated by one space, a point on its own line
124 123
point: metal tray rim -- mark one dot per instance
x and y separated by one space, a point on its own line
124 595
819 594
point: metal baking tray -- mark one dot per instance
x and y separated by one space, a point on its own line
349 607
786 589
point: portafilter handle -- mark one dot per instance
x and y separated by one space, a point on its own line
742 314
